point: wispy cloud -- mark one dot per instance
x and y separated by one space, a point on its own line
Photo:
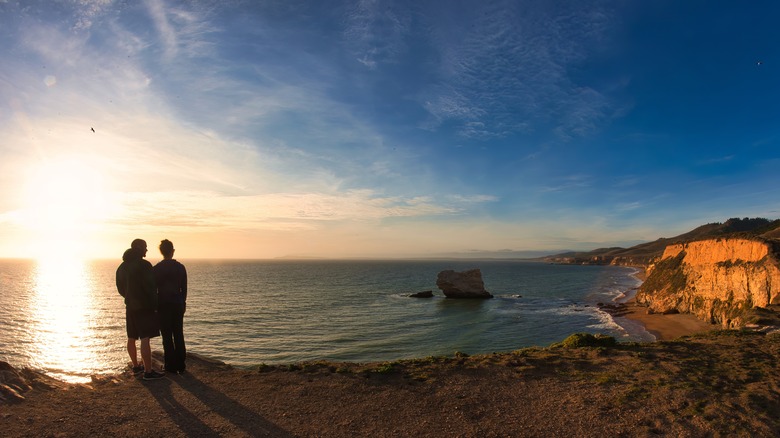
168 37
277 211
181 31
569 183
88 11
717 160
629 206
302 120
375 30
505 69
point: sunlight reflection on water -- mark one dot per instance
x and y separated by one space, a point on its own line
63 299
66 318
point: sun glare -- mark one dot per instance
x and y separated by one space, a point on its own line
64 202
63 302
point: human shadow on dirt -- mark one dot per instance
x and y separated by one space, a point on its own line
235 413
188 422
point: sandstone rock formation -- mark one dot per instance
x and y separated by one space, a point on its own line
466 284
718 280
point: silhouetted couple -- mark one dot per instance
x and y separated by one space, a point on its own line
155 302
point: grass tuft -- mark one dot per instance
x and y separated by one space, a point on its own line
579 340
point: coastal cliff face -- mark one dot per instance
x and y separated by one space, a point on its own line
718 280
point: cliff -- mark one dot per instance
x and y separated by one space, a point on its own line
646 253
726 281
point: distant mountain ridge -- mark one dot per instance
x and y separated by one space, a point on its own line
644 253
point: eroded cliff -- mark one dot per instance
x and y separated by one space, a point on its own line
718 280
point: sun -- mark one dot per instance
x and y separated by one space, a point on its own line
64 201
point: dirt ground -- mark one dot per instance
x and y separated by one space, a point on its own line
722 383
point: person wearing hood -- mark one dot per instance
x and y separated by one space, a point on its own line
135 282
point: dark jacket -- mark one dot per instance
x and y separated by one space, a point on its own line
135 282
171 279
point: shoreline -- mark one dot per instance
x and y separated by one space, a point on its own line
624 311
662 327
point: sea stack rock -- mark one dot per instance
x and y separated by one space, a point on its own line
466 284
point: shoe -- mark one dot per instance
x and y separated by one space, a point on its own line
153 375
138 369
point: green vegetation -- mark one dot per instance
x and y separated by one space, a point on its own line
579 340
667 275
385 368
764 316
430 360
754 226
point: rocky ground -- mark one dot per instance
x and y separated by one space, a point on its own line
722 383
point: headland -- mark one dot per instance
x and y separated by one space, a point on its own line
721 383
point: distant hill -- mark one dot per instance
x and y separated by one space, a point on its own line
644 253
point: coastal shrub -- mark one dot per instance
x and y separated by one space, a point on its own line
667 273
429 360
343 370
385 368
762 316
578 340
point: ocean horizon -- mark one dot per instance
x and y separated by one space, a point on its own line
66 318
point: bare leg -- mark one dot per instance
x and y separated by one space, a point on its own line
146 354
132 351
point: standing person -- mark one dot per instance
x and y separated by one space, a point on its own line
135 282
171 279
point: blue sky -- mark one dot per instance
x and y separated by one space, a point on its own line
259 129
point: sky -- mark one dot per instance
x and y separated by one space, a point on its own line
381 129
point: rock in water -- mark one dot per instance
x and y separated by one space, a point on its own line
466 284
423 294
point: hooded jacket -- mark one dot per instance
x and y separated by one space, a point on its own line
135 282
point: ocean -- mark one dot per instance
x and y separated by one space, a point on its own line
67 319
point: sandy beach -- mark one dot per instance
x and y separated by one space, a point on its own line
663 327
666 327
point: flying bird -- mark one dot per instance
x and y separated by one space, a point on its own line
93 129
759 63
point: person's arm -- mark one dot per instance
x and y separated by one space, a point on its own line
121 280
184 286
184 282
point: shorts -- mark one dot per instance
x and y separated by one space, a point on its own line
142 324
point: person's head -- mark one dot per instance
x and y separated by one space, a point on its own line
139 246
166 248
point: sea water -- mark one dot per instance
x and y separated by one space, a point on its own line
67 319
